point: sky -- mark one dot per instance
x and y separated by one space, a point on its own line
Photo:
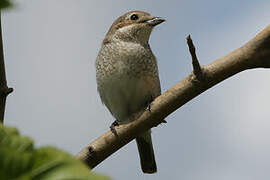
50 49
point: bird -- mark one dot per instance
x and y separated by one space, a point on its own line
127 75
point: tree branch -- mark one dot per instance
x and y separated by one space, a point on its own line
4 90
254 54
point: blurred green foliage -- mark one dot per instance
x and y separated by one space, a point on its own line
5 4
20 160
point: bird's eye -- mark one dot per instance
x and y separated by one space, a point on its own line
134 17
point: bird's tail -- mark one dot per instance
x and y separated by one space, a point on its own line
146 151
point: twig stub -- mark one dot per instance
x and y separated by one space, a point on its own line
5 91
197 70
90 155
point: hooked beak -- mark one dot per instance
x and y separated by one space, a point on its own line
155 21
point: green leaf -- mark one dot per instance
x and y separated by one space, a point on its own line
21 161
5 4
51 163
16 153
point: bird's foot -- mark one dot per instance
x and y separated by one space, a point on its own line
149 107
149 103
112 127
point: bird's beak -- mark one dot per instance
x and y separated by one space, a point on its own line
155 21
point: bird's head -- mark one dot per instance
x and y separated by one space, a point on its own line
134 26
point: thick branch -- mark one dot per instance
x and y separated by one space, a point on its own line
254 54
4 90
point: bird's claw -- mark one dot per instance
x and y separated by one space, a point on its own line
149 103
149 107
112 127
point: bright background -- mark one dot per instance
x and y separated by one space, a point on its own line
50 50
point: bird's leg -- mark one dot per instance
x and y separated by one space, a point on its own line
149 107
112 127
149 103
